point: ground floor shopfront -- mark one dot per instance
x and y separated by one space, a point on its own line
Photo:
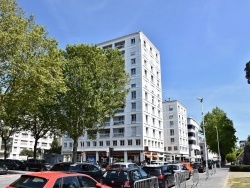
118 156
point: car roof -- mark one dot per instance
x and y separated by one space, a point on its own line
154 165
122 169
49 174
124 163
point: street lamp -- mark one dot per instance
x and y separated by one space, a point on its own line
218 146
204 131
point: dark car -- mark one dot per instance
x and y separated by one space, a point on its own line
19 164
62 166
10 163
3 169
210 163
164 174
87 168
200 167
124 177
37 164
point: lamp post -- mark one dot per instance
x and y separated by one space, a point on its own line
218 146
204 131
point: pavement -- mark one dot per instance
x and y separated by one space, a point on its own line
216 179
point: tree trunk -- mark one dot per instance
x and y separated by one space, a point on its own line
5 155
74 157
35 148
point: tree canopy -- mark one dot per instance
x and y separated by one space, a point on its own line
226 132
30 72
96 86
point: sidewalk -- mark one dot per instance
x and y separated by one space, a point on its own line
217 180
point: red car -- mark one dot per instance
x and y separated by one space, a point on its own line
49 179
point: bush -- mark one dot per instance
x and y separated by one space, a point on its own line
239 168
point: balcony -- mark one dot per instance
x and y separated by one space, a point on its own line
118 135
120 111
121 122
106 123
104 135
120 45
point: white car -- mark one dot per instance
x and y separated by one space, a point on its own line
123 165
180 168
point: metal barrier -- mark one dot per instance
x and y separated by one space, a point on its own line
180 180
147 183
195 177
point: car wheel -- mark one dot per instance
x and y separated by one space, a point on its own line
27 168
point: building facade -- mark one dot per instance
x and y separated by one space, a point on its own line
23 140
175 130
136 131
193 140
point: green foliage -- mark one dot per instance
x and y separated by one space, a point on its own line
55 147
27 152
238 151
96 87
239 168
30 73
231 157
226 132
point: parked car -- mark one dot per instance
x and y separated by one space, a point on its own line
209 162
163 172
62 166
9 163
122 165
178 167
19 164
87 168
37 164
3 169
124 177
56 180
200 167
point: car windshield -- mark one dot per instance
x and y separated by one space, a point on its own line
152 170
113 174
26 181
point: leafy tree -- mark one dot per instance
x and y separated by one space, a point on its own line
27 152
226 132
231 157
30 72
96 87
55 147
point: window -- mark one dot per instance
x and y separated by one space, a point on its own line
138 142
146 95
144 43
153 119
133 85
172 139
121 142
70 144
169 148
146 106
107 143
94 143
170 108
171 123
171 116
175 148
88 143
101 143
171 132
152 78
145 73
146 118
133 118
146 131
133 71
133 61
133 105
133 41
114 142
65 145
133 95
130 142
153 110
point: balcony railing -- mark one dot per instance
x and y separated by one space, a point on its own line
121 122
107 123
104 135
118 134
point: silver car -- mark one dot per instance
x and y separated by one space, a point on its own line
180 168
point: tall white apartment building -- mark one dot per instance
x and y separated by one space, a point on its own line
23 140
193 139
175 130
138 126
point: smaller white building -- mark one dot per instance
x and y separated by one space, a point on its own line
210 155
175 130
193 140
23 140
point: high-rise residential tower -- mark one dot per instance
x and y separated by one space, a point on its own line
136 131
